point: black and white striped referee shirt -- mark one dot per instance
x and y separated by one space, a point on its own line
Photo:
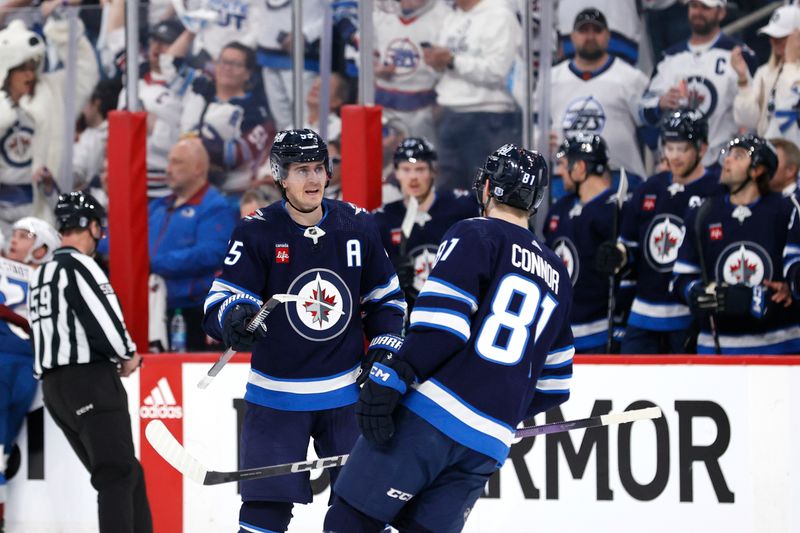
74 314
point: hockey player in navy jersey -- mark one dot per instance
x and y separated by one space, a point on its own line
653 230
489 345
575 226
436 211
307 357
729 265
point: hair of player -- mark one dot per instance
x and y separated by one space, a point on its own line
790 151
253 195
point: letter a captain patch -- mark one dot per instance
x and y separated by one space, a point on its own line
281 253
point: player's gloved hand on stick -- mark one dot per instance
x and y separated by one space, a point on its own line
388 381
234 329
406 273
377 350
740 300
610 257
703 297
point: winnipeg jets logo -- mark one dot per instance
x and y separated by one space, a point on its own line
325 307
404 55
316 307
423 258
15 146
565 249
663 239
584 114
702 95
744 262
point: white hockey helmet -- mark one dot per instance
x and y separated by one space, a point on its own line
44 235
19 45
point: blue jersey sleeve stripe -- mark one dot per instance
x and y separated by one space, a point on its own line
789 264
400 305
557 365
438 287
214 298
456 323
553 392
555 383
556 357
222 285
682 267
791 249
382 291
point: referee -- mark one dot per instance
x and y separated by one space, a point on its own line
81 349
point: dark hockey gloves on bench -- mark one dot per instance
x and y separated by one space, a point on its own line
730 300
610 257
234 328
388 380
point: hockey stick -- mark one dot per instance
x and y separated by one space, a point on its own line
698 241
622 192
255 322
168 447
407 226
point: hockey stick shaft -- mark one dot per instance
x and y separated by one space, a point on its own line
698 242
168 447
622 192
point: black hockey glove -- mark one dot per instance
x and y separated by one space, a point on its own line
388 381
234 329
703 297
378 349
741 301
609 257
406 273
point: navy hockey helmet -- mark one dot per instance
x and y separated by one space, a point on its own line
297 146
77 210
685 125
517 177
760 150
414 149
587 147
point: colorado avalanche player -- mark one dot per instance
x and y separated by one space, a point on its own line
436 211
729 265
489 345
32 243
307 357
653 231
575 226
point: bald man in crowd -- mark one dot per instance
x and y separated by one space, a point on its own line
189 231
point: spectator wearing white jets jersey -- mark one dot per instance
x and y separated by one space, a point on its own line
598 93
698 74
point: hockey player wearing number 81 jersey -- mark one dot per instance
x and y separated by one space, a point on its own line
307 358
489 345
